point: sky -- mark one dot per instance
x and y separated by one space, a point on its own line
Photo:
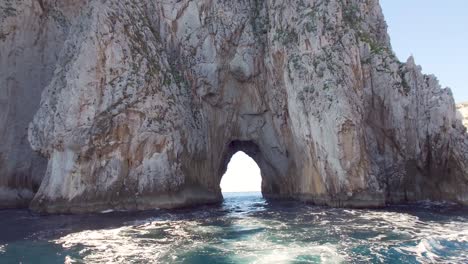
242 175
435 32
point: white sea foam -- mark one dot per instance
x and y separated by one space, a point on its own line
425 250
267 252
135 243
325 236
2 248
70 260
107 211
427 236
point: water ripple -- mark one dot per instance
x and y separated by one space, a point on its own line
248 229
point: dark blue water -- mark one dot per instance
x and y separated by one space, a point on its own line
244 229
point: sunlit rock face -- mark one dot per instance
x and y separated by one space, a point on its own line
463 112
150 99
32 34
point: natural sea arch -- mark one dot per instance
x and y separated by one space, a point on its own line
270 184
312 111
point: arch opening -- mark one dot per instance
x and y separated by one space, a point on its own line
271 184
242 175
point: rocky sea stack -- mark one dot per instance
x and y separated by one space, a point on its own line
140 104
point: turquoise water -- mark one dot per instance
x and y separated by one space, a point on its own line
244 229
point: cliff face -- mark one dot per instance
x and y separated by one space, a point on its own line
32 33
149 100
463 112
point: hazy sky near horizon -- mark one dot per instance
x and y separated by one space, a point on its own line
435 32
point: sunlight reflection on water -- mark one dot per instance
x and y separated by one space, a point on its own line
248 229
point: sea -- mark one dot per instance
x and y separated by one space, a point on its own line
245 228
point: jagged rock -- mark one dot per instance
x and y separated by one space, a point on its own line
149 100
463 112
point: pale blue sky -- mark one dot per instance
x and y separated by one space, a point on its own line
436 33
242 175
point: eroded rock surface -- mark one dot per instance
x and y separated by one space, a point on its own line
463 112
32 34
150 99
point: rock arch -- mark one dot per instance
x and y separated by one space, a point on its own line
146 95
273 182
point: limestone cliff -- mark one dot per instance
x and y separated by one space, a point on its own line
463 112
150 99
32 33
